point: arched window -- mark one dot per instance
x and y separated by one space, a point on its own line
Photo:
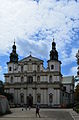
38 78
38 68
52 67
38 98
11 80
50 98
12 97
21 68
30 79
22 79
22 97
50 78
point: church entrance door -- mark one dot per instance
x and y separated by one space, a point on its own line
29 100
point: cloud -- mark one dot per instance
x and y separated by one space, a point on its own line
0 69
39 48
3 69
1 73
73 71
34 24
68 58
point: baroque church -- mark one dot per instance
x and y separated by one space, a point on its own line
30 83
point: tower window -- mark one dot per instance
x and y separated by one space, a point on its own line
11 79
52 67
50 78
38 68
10 68
29 59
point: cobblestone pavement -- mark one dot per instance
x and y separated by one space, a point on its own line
46 114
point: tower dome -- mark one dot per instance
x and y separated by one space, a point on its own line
13 54
53 44
53 52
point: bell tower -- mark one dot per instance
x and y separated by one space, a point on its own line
53 52
13 54
13 63
53 63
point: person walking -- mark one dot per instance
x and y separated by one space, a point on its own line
37 110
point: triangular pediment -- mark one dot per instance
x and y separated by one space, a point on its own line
31 58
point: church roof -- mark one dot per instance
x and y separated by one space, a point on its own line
68 80
31 58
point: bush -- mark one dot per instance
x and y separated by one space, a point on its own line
76 108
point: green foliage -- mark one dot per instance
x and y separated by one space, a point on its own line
77 93
9 96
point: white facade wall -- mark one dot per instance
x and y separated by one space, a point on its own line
57 96
43 78
43 89
34 67
55 64
41 67
50 91
34 96
25 68
7 79
12 66
15 79
56 78
19 68
25 78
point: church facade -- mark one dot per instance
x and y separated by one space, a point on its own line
30 83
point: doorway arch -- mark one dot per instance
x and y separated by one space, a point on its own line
29 100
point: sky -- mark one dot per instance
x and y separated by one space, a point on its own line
33 24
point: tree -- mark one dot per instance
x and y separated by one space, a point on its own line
1 87
77 93
9 96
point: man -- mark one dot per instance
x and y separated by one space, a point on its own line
37 110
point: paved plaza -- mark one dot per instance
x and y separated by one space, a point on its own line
46 114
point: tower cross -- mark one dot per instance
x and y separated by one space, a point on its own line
14 41
53 39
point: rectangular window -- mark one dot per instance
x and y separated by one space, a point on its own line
9 68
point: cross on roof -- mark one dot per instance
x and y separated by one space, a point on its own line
53 39
14 41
